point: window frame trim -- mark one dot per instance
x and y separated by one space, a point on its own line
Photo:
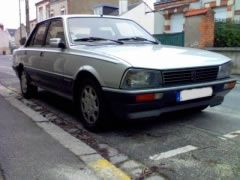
50 22
34 33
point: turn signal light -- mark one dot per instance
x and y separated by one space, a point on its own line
230 85
148 97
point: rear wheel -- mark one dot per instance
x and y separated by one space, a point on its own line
91 104
28 90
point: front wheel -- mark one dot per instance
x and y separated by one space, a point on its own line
27 89
91 104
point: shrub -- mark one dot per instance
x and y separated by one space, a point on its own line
227 34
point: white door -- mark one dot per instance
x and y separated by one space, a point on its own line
177 22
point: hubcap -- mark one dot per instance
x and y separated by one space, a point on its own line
24 82
89 104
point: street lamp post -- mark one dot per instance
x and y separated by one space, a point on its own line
27 17
20 19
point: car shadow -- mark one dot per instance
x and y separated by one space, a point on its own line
114 124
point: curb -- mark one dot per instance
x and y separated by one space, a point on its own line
116 166
94 161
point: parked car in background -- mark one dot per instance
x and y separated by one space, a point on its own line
112 64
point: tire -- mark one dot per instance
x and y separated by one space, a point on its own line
91 105
28 90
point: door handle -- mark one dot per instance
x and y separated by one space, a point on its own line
25 52
41 54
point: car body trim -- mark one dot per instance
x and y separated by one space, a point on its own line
54 73
158 112
163 89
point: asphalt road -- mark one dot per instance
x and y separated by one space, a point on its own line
177 145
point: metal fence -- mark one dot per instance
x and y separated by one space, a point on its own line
175 39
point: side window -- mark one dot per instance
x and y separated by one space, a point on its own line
56 30
40 35
31 40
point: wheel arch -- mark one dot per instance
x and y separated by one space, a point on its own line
83 73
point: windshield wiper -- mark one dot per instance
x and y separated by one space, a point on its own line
137 39
92 39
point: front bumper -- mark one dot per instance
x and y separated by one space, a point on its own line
124 105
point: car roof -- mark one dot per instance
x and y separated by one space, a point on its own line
83 16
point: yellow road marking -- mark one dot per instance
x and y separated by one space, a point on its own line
106 170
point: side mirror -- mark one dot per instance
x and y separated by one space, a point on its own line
57 43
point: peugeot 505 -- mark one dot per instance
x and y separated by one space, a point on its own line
109 64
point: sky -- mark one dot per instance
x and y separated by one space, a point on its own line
9 12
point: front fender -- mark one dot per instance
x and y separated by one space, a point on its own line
91 70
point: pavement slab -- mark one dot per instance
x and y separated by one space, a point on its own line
28 152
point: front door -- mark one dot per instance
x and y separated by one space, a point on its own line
54 59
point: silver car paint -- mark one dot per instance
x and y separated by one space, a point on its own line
109 62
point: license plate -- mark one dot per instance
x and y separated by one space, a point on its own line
190 94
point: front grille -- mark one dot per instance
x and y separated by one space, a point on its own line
186 76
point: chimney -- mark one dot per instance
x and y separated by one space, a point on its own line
123 6
1 27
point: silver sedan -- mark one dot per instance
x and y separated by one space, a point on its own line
109 64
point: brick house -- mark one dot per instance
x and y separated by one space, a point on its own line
42 10
174 11
60 7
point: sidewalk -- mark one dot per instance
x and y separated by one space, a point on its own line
27 152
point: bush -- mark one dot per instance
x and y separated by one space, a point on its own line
227 34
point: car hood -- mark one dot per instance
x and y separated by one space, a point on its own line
160 56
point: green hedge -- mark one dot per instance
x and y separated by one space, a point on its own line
227 34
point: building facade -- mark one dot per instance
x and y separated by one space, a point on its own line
174 11
17 34
143 15
58 7
5 39
42 10
61 7
33 24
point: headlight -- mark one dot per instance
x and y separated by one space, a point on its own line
140 78
224 70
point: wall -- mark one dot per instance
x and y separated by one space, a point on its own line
233 53
4 41
192 34
32 24
17 35
199 30
206 30
152 22
55 7
45 11
87 6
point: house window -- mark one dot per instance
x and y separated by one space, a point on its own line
51 13
98 11
40 13
47 12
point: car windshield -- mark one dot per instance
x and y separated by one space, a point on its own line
106 30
